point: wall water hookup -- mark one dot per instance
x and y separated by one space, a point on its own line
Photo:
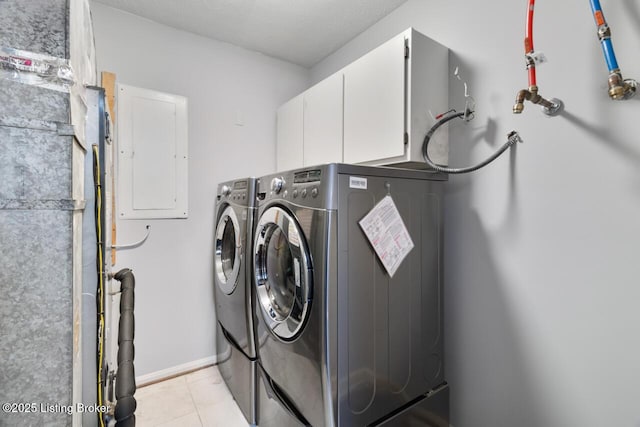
549 107
619 88
467 115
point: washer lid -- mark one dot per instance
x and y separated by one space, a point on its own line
228 255
282 273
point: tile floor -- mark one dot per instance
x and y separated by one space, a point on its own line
198 399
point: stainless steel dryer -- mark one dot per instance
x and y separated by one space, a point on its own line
235 338
340 342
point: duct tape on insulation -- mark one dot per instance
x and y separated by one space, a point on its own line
35 69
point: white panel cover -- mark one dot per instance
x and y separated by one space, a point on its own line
152 154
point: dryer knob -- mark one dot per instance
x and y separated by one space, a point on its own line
277 184
225 190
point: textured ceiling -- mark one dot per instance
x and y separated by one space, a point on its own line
298 31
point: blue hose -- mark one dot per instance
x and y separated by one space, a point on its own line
619 88
609 55
605 36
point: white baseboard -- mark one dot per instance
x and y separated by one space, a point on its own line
174 371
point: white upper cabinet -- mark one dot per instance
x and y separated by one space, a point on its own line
376 110
427 89
289 135
374 104
322 122
390 95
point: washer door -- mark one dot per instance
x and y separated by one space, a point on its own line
228 250
283 279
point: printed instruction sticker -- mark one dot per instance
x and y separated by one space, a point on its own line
387 233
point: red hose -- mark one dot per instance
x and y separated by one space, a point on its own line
528 42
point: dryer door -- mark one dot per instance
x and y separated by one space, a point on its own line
282 273
228 250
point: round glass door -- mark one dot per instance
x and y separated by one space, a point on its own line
283 279
228 254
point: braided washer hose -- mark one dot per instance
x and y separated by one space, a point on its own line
512 138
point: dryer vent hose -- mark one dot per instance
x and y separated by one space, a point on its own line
125 377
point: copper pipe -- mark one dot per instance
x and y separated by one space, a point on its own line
534 97
531 94
620 88
520 98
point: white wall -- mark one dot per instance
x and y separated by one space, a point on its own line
174 271
541 260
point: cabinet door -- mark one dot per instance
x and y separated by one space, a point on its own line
289 135
323 122
374 104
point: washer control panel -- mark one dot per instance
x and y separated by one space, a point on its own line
277 184
306 184
303 187
305 192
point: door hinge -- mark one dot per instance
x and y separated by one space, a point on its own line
406 138
406 51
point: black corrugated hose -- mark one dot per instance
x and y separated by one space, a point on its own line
125 377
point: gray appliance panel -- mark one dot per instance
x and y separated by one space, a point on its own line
235 311
388 172
272 411
353 365
238 372
293 186
432 411
390 347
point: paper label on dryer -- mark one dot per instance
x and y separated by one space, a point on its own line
358 182
387 233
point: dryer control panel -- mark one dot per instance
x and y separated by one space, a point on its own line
237 192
